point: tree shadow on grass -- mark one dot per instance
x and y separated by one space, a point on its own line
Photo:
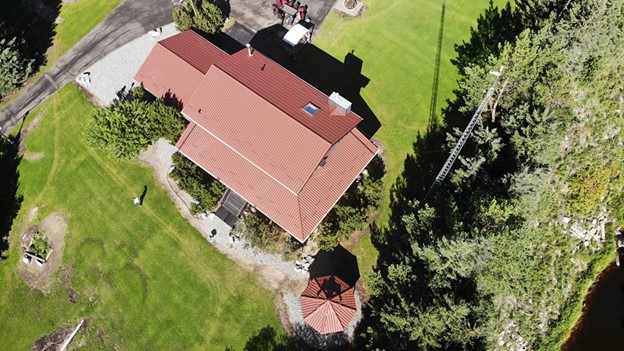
419 171
10 201
267 339
32 21
494 26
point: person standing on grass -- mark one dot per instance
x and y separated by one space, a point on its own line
137 201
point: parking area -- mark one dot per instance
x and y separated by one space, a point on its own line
113 75
258 14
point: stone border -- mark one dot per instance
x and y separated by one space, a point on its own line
354 12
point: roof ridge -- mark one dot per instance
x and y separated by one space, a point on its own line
304 236
296 77
195 35
263 98
329 145
240 154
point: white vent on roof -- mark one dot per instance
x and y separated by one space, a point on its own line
343 105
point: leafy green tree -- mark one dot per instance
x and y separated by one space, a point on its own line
40 246
424 297
352 211
127 127
14 66
204 15
468 269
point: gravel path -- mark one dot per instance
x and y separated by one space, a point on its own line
116 71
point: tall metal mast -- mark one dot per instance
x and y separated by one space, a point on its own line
446 168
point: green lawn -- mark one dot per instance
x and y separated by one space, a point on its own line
397 42
146 278
80 18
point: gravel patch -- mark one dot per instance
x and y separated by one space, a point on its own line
340 6
116 71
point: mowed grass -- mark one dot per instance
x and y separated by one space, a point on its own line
144 276
398 44
80 18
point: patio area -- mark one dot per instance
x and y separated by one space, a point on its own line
257 15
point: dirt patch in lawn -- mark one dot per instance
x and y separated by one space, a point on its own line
33 156
53 341
30 156
55 227
29 128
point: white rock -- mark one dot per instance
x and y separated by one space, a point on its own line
565 220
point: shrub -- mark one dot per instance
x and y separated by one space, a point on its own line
263 234
127 127
200 185
204 15
352 212
14 66
40 246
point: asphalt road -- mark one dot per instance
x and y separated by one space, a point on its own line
131 19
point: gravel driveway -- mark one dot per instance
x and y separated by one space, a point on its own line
116 71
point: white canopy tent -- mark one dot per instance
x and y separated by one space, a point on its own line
297 34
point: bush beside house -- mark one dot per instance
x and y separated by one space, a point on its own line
204 189
130 125
204 15
354 210
263 234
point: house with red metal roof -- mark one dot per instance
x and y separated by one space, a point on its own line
279 143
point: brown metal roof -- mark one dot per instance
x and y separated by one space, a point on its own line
289 93
249 130
194 49
177 65
259 131
297 213
328 304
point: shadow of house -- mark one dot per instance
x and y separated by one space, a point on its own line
321 70
313 65
33 22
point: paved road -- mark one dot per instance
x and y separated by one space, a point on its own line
131 19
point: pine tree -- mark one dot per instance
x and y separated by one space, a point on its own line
14 66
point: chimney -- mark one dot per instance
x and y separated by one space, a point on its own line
342 105
249 50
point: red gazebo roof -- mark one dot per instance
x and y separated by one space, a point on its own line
328 304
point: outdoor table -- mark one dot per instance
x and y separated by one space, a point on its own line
289 10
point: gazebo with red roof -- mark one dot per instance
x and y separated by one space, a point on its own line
279 143
328 304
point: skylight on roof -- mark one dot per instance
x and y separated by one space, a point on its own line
311 108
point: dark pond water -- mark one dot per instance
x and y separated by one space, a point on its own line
602 325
